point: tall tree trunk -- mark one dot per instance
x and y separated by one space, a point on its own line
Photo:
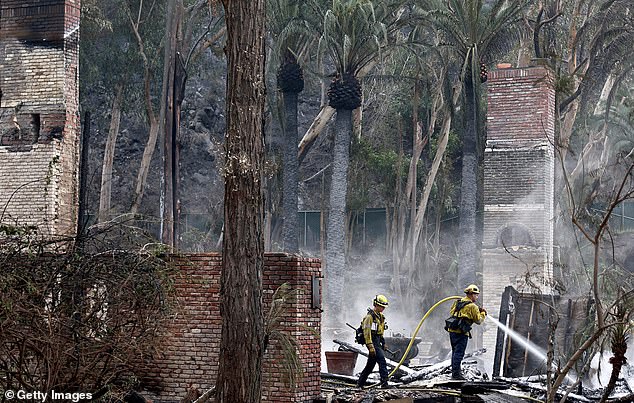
82 221
431 179
401 210
105 193
154 122
569 117
290 179
144 168
467 246
418 211
417 137
167 123
180 76
242 341
174 75
335 243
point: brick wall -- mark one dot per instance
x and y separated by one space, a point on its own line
518 187
190 359
39 113
521 104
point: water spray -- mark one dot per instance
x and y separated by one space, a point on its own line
531 347
527 344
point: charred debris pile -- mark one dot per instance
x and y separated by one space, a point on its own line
433 383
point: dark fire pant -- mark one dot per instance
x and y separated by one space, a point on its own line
458 347
379 358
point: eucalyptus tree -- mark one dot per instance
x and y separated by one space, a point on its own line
354 35
110 61
592 57
476 31
140 14
183 22
598 56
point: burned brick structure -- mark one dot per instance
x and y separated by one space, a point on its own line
188 361
39 114
517 247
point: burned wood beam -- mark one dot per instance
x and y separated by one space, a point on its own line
520 382
427 372
624 399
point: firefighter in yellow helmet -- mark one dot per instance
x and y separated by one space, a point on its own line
374 325
464 313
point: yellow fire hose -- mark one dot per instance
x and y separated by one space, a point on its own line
411 342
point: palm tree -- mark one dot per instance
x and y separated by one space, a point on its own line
475 30
290 81
291 35
619 335
354 34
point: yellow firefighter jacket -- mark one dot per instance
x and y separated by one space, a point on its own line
373 323
470 311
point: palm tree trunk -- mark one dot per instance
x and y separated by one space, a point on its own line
290 179
467 246
335 244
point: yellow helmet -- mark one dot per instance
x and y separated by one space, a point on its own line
472 289
380 300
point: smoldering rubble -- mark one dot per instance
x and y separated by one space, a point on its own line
432 383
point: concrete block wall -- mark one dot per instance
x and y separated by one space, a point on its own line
39 113
190 359
518 187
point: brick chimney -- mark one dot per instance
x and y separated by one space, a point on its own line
517 247
39 113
